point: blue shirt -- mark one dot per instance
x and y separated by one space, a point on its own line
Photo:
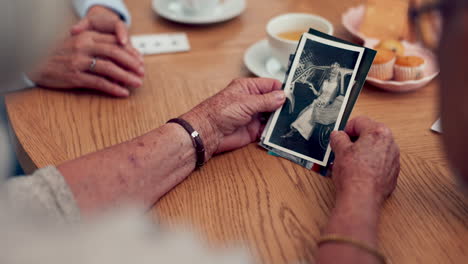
82 7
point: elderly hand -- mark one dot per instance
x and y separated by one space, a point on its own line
103 20
369 166
231 119
71 65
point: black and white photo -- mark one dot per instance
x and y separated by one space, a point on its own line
318 87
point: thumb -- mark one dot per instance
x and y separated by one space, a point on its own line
340 141
266 102
81 26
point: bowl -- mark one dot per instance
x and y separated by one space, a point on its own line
431 69
352 20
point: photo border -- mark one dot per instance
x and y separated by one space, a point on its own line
304 39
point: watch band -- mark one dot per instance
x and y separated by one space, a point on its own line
196 140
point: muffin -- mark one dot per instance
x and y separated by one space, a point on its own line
408 68
382 68
393 45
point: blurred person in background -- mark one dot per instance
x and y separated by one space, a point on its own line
149 167
453 81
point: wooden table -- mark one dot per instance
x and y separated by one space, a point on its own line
276 207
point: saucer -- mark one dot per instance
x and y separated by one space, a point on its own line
172 10
259 61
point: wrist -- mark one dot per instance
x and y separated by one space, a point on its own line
355 217
208 133
184 139
364 199
356 188
36 75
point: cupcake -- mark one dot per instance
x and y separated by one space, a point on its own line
393 45
408 68
382 68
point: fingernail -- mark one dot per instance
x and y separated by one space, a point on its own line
335 134
137 82
136 85
279 95
124 92
141 70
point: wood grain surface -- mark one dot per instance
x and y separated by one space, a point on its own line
273 206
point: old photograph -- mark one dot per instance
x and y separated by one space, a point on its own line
321 78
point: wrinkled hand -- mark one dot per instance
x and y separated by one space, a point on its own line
231 119
104 20
116 70
368 166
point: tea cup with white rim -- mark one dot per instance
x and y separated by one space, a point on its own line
285 31
199 7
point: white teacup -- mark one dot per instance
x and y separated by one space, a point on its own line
282 48
199 7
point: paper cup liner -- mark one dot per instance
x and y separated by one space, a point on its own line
382 71
405 73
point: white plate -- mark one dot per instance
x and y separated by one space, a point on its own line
259 61
172 10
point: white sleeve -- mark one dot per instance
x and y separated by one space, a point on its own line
82 7
43 193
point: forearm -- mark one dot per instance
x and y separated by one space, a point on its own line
357 218
146 168
141 170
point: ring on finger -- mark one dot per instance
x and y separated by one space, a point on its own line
92 66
